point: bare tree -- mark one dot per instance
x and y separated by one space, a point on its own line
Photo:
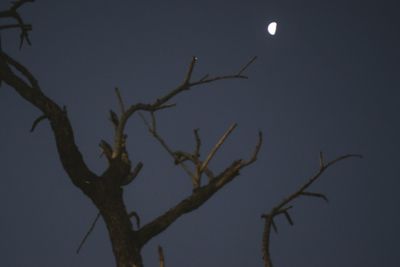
106 190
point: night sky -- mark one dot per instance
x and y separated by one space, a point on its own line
328 80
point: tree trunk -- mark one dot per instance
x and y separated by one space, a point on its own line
126 251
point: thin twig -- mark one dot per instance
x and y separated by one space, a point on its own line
217 146
218 78
204 77
37 121
196 154
120 101
119 132
162 102
17 4
88 233
26 27
247 65
114 119
321 160
311 194
256 151
133 174
161 256
190 70
153 130
198 143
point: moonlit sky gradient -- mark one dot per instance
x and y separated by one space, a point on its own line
328 80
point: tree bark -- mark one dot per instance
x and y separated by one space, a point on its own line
109 200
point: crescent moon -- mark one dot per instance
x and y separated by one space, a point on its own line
272 28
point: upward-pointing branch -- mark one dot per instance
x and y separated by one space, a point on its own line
216 147
162 102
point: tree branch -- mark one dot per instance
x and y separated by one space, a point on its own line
68 151
7 60
282 207
189 204
162 102
161 256
181 157
12 12
26 27
120 101
19 3
153 130
194 201
246 66
190 71
216 147
88 233
135 172
36 122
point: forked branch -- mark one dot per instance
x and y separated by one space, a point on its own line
196 199
180 157
162 102
18 77
9 61
12 12
70 155
152 127
284 206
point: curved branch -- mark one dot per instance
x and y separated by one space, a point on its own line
37 121
68 151
282 207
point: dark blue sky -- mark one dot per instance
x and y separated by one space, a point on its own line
327 81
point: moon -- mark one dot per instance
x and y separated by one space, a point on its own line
272 28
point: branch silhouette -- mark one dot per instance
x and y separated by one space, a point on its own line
284 206
106 189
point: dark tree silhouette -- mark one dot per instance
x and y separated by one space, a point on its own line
106 190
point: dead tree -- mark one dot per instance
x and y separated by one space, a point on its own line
106 190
